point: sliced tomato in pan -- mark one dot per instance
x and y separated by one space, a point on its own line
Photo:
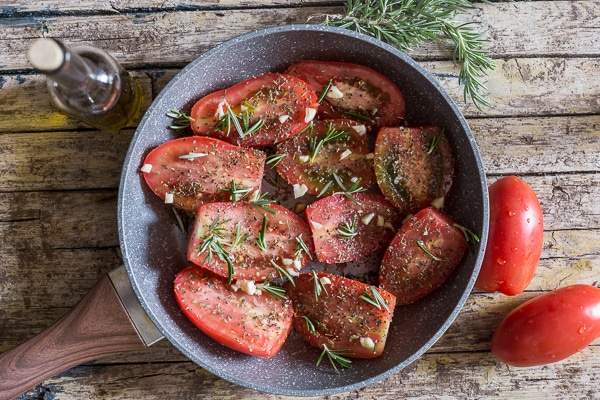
346 229
191 171
342 315
241 241
259 111
422 255
328 157
256 324
352 91
414 166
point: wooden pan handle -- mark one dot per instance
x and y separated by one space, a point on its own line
97 326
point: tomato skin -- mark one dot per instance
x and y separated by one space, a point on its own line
258 327
325 216
340 316
407 270
365 91
515 238
196 181
267 97
317 173
250 262
549 327
408 173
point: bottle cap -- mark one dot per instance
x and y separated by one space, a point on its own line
46 54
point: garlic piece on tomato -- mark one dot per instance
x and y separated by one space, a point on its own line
303 158
220 112
345 153
438 203
367 342
325 280
360 129
366 219
169 198
310 114
335 93
247 287
147 168
299 190
316 225
287 262
283 118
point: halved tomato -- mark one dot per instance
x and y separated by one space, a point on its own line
191 171
253 324
422 255
242 241
346 229
344 315
259 111
414 166
352 91
331 156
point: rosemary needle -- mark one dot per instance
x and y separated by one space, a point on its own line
407 24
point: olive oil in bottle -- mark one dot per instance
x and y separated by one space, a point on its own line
88 84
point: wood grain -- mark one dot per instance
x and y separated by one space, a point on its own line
59 182
98 326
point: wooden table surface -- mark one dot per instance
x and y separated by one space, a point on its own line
59 183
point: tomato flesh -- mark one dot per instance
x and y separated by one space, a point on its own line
342 320
198 170
515 239
223 222
346 157
549 328
277 103
356 90
412 171
422 255
345 229
252 324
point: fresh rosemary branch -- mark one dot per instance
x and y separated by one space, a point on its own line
426 250
374 298
407 24
335 357
347 230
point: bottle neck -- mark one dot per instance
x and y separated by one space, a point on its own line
73 72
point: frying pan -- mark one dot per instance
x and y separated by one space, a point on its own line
121 314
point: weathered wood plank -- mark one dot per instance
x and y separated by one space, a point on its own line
26 105
25 7
517 88
448 376
569 28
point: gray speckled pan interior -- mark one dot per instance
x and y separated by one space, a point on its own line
154 250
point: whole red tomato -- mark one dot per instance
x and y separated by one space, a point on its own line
515 237
549 327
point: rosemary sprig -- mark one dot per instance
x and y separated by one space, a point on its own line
324 91
301 247
273 290
274 159
315 145
435 141
347 230
283 273
213 245
407 24
260 238
374 298
241 122
262 203
319 286
470 236
180 119
426 250
236 193
335 357
349 192
310 324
